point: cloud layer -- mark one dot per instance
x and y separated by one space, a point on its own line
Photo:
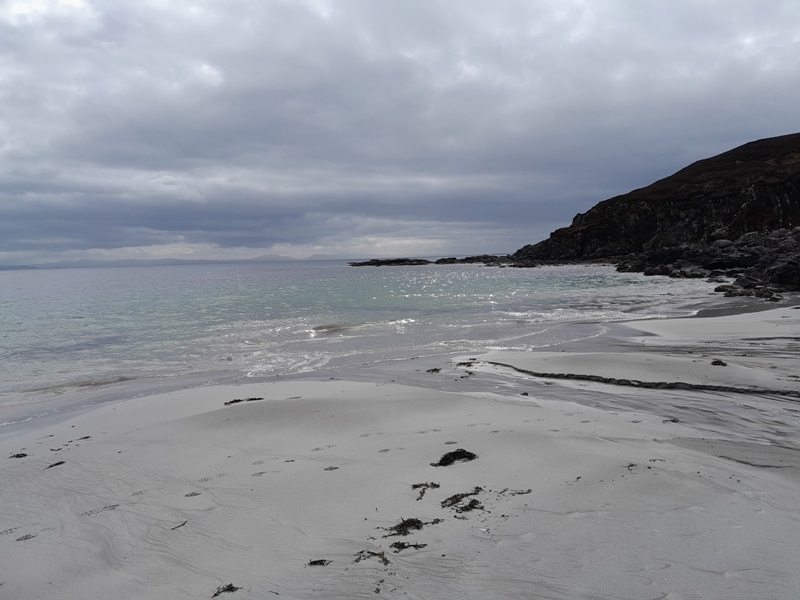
362 128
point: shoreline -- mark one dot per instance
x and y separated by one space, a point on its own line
310 488
80 378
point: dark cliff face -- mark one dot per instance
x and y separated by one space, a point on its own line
752 188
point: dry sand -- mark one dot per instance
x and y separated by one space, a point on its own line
581 488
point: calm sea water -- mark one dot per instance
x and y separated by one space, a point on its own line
79 335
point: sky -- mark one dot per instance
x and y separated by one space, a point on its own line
364 128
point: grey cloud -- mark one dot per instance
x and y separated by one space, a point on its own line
249 124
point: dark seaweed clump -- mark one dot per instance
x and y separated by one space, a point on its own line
225 588
405 527
459 455
400 546
457 498
424 487
470 506
237 400
319 563
365 554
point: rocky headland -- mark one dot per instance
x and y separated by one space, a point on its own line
733 215
736 214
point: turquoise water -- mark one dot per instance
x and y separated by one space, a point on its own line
79 333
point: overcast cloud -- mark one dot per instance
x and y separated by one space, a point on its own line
360 128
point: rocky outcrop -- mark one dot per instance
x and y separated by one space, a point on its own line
483 259
737 213
391 262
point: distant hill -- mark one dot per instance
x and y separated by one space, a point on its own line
271 258
737 210
755 187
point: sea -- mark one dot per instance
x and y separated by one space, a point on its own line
73 338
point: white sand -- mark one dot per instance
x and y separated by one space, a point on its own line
177 495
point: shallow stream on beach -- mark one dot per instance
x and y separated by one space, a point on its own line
75 337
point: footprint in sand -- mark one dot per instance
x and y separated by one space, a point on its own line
139 493
258 462
423 432
321 448
259 474
29 536
7 531
366 435
192 494
207 479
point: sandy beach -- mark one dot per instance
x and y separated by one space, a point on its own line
665 467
